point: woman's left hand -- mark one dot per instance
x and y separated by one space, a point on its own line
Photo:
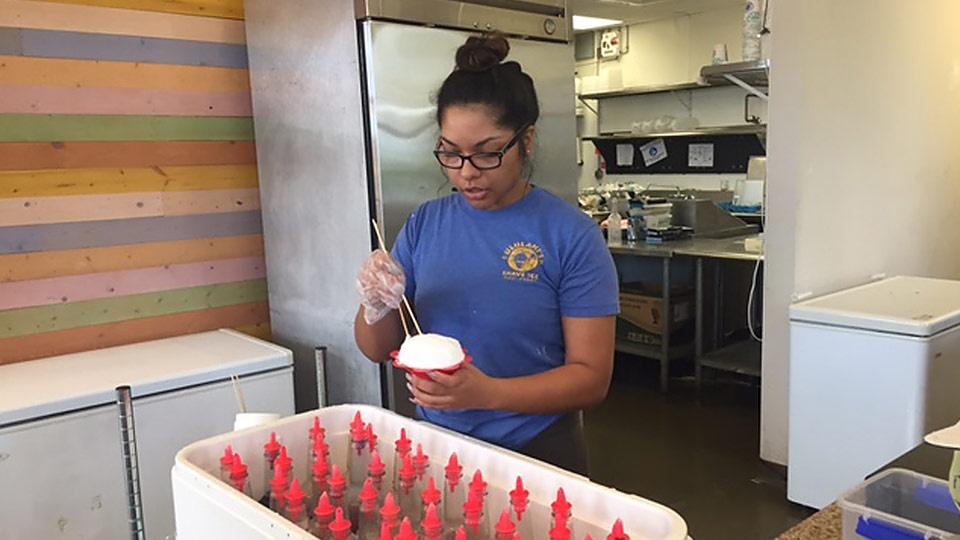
466 388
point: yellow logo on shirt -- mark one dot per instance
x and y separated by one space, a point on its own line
524 259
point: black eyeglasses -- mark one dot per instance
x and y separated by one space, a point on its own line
482 161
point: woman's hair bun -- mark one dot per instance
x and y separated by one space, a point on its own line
481 53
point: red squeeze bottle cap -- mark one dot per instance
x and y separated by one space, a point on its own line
588 537
406 531
368 494
505 526
320 468
461 533
519 498
320 447
272 447
453 470
316 431
324 508
473 507
560 532
295 496
403 443
340 525
371 436
284 462
407 472
518 537
358 431
376 467
227 459
337 481
430 495
420 460
477 484
385 533
390 511
617 532
279 482
432 522
238 470
561 506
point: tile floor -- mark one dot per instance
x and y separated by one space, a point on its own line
696 454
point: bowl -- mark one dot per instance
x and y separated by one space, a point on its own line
425 373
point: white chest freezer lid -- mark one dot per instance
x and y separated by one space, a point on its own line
912 306
74 381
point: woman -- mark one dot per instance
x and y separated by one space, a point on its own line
520 277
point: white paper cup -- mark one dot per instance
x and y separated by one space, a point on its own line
248 420
719 53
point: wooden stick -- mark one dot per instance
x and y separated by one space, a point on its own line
383 246
238 392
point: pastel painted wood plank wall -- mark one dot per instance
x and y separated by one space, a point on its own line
129 201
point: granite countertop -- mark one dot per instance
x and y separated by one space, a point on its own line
827 524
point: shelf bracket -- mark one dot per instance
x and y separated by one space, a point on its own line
587 105
735 80
688 105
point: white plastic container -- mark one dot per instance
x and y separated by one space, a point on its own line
898 503
207 508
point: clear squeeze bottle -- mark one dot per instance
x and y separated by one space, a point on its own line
402 448
474 518
369 518
561 511
357 462
454 494
319 477
340 528
271 451
337 488
385 533
421 462
238 476
430 495
278 491
284 463
371 438
226 463
617 532
408 495
296 510
432 525
375 473
390 515
560 532
406 531
323 516
505 529
461 533
519 501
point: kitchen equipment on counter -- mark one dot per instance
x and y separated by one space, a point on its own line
872 369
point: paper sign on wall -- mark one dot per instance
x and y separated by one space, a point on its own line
653 152
625 155
700 155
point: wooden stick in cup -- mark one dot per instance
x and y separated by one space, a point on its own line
238 392
383 245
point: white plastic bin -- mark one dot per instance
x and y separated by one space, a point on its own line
900 504
207 508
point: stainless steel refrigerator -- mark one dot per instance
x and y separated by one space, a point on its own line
345 124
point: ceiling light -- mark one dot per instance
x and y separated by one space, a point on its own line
588 23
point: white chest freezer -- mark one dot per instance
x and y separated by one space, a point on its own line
60 457
872 369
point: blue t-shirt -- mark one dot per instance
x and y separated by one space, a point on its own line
499 281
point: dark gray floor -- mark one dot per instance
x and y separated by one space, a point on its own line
695 454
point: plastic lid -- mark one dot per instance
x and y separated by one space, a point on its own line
283 461
453 471
560 532
403 443
406 531
371 437
238 470
473 508
561 506
227 459
320 447
272 448
505 526
376 467
316 431
340 526
461 533
324 509
368 494
337 482
407 472
477 484
432 524
519 498
430 495
390 511
617 532
420 461
385 533
295 496
320 467
279 482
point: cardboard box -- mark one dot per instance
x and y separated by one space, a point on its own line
641 316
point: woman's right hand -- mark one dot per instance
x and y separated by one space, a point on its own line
381 283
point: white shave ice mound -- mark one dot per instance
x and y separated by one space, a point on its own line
430 351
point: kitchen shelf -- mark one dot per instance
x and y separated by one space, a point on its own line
743 357
744 129
753 73
641 90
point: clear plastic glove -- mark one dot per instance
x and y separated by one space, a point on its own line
381 283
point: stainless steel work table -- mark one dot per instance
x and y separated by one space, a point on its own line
741 357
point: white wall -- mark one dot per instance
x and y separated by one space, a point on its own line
863 169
